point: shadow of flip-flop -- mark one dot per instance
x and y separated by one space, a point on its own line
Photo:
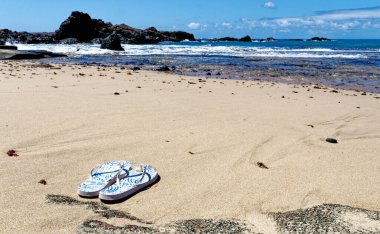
88 198
133 194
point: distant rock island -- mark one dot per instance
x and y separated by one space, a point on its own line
81 28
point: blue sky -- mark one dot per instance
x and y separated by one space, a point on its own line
208 18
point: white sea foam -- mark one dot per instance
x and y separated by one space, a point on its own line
207 50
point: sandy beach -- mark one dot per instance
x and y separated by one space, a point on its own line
247 154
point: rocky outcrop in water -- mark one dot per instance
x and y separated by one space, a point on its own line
319 39
79 27
112 42
246 39
229 39
25 37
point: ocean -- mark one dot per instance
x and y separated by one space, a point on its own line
345 64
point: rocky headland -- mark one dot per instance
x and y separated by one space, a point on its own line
79 27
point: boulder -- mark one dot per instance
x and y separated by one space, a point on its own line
112 42
80 26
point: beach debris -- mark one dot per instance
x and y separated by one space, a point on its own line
43 182
332 140
136 68
116 93
189 82
139 87
310 125
317 87
12 153
54 86
294 91
334 91
261 165
81 74
190 152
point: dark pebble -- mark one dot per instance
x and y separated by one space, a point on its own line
262 165
42 182
332 140
12 153
116 93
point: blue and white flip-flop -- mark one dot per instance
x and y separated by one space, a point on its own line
101 177
136 178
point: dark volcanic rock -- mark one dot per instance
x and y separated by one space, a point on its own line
85 29
69 41
164 68
25 37
112 42
2 42
177 36
246 39
332 140
226 39
79 26
6 47
319 39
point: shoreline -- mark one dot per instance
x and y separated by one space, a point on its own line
214 72
205 137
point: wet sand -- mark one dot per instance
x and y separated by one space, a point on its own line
233 156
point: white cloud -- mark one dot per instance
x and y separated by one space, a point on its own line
269 5
364 13
194 25
250 23
226 25
338 20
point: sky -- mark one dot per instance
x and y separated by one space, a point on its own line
338 19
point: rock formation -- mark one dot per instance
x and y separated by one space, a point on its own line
112 42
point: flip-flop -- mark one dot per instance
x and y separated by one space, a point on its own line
101 177
132 181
